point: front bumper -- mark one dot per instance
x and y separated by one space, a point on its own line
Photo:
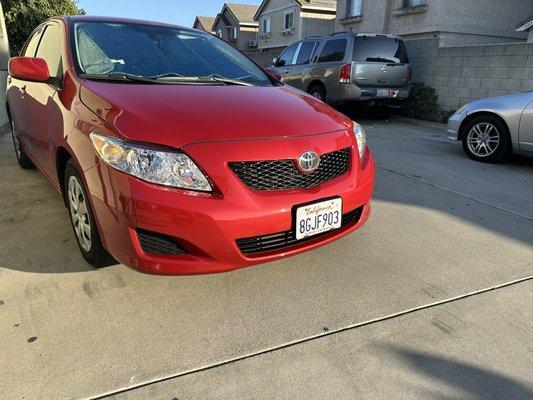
209 225
453 126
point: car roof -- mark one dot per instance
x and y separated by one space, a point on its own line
72 19
352 33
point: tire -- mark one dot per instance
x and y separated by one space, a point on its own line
82 220
319 92
486 139
22 158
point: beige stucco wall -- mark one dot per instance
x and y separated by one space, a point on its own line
472 21
275 10
4 58
530 36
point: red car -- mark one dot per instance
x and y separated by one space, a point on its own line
177 154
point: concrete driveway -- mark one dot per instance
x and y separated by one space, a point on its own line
431 299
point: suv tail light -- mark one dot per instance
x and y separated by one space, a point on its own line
346 74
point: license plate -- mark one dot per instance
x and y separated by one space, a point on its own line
316 218
383 93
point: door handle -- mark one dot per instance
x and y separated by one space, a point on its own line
287 70
22 90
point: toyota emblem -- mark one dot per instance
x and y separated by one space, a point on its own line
308 161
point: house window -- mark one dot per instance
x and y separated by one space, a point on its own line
289 20
354 8
265 26
219 33
234 33
413 3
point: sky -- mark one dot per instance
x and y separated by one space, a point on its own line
180 12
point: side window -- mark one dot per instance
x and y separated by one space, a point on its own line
306 52
31 47
334 50
287 57
50 50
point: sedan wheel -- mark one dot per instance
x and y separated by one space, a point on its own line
486 138
82 218
483 139
79 213
23 160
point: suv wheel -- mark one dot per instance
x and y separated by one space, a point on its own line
22 158
82 220
318 91
486 139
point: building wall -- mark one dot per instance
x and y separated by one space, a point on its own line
466 73
4 58
530 36
275 10
472 21
314 24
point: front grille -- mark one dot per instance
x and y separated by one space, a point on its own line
282 174
286 239
156 243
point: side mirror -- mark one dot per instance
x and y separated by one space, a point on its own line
29 69
275 61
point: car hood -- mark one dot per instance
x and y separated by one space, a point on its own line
177 115
513 102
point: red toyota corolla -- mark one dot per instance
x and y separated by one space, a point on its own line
176 154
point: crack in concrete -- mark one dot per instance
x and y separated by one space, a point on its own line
311 338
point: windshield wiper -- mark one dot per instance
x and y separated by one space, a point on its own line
119 76
380 59
201 79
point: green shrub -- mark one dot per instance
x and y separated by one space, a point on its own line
422 102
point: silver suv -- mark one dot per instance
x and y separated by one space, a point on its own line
346 67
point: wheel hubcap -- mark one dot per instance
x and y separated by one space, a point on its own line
16 141
79 213
483 139
318 95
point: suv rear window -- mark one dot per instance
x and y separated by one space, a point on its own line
333 50
380 49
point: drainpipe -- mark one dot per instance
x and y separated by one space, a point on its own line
388 12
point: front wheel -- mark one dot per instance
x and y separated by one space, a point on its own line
82 220
486 139
22 158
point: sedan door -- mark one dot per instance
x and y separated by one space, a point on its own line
17 93
525 135
39 101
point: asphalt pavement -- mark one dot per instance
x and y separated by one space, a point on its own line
431 299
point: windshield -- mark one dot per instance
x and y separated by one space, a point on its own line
380 49
166 53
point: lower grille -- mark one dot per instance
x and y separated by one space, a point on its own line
283 174
286 239
156 243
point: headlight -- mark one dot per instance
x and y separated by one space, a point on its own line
360 136
150 164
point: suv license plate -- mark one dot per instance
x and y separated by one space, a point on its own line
320 217
383 93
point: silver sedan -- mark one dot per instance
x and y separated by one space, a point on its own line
492 129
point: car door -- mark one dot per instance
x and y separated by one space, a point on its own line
327 64
286 62
300 70
525 135
16 92
40 100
